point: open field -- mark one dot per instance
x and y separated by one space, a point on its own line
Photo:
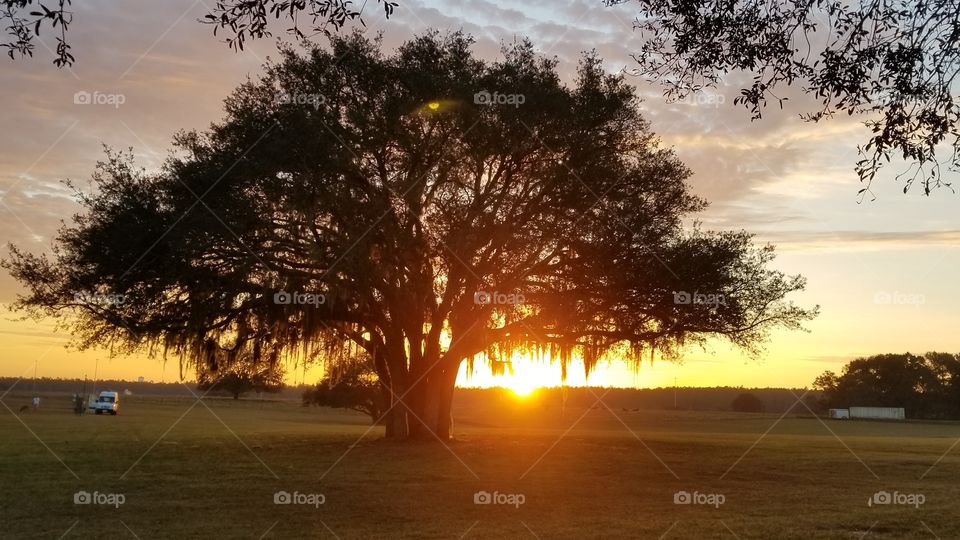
211 469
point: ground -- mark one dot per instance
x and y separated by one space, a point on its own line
213 469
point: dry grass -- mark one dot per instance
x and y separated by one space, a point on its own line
607 476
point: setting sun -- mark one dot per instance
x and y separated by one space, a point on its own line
520 385
525 375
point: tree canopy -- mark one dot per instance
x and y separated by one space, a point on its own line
241 20
895 62
424 207
926 386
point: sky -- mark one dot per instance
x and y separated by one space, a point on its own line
882 270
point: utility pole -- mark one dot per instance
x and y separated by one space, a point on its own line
36 398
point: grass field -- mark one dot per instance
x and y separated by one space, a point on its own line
212 469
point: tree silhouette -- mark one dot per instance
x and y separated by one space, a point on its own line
351 384
241 20
243 379
893 62
425 207
24 20
746 402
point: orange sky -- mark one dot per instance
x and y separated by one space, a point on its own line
883 271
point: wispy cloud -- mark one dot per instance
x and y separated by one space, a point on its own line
859 239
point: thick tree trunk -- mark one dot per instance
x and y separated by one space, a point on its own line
422 416
418 397
387 421
421 399
384 415
445 389
398 427
421 425
399 407
424 402
433 420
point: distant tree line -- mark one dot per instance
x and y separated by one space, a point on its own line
49 385
925 386
16 386
354 388
720 398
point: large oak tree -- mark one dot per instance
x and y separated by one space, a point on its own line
425 207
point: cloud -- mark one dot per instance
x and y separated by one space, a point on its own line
860 239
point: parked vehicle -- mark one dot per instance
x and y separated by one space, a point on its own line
107 401
873 413
841 414
878 413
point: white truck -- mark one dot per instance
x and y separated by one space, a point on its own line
841 414
107 401
878 413
872 413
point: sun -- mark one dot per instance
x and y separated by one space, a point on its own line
520 384
522 377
